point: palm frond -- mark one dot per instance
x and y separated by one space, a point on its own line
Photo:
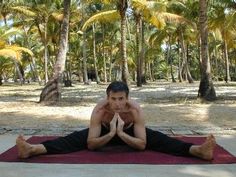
21 49
147 9
14 52
173 18
24 10
156 6
8 53
5 64
106 16
10 32
139 5
148 6
2 44
217 34
1 17
177 6
57 16
157 22
231 20
101 1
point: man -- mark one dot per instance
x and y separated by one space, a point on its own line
117 120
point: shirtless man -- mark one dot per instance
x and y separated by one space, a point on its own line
117 121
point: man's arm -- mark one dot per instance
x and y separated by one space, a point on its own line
94 140
139 141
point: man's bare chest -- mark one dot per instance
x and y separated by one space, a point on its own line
127 117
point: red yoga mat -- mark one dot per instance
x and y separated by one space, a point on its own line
119 155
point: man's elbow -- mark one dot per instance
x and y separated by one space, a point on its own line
90 145
142 146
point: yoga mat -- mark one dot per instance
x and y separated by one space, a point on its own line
118 155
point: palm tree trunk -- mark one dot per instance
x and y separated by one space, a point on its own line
206 89
19 72
103 53
1 79
52 90
95 56
150 65
142 67
189 76
34 77
43 39
125 72
45 53
216 63
180 64
110 61
5 20
138 49
145 69
85 71
35 71
169 58
185 62
227 75
80 72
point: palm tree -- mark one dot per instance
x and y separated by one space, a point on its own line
222 19
122 7
95 56
144 11
5 67
12 51
52 91
6 10
184 66
41 14
101 17
206 88
186 33
156 14
142 8
85 72
139 61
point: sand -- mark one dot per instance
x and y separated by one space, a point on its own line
164 104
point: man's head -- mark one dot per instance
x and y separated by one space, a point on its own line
117 95
117 86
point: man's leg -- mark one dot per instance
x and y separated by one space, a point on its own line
26 150
116 140
205 150
158 141
73 142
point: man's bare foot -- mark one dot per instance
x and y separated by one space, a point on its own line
205 150
24 148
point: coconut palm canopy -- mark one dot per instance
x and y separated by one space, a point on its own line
115 39
12 51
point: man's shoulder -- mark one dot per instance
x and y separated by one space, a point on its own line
101 104
134 104
98 113
134 107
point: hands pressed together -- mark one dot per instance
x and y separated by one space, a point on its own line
116 125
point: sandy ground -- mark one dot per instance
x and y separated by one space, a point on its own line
164 104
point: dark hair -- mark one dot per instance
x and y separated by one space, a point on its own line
118 86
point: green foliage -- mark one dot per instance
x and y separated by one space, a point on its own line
163 22
102 17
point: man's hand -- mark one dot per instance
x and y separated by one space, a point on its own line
113 123
120 125
116 125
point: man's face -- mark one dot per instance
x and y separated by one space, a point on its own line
117 101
